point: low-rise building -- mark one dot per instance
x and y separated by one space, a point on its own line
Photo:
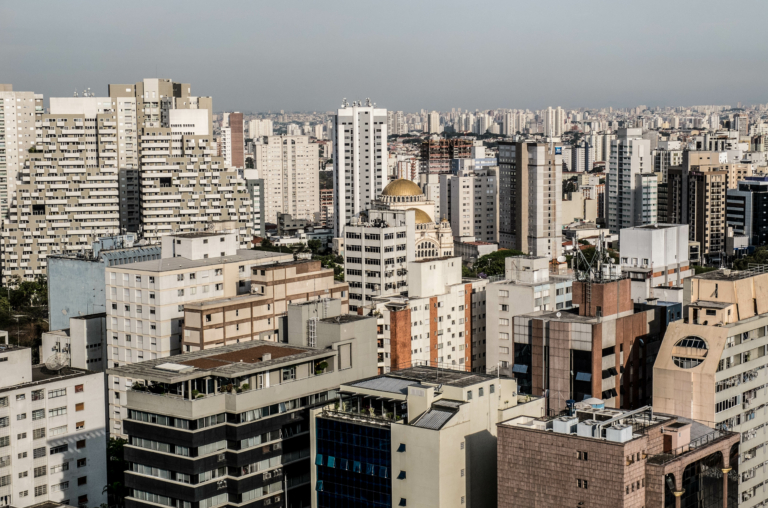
231 425
53 436
421 437
84 342
593 456
470 252
528 286
261 314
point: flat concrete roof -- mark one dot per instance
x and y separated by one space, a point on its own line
180 263
231 361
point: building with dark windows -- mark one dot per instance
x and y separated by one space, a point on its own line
747 209
229 426
595 457
421 436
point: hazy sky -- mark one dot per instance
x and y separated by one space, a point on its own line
404 55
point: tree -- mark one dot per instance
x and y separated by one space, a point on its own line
266 242
315 246
493 263
759 257
116 467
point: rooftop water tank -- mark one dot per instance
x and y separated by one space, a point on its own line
619 433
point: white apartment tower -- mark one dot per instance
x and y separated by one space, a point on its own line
433 122
632 194
53 443
19 114
469 200
259 128
359 160
225 145
554 122
288 166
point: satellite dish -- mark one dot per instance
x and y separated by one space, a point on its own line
558 314
57 361
561 259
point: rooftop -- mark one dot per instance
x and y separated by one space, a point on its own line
41 375
399 381
230 361
197 234
180 263
345 318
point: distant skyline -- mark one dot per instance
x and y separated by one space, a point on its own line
307 56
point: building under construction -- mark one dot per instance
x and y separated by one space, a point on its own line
436 154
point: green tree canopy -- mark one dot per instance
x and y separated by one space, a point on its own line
493 263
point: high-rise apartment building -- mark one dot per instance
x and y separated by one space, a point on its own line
554 122
182 411
513 122
224 146
530 192
632 186
145 300
53 447
288 166
326 207
470 202
237 140
259 128
581 158
696 195
359 160
20 112
433 123
712 368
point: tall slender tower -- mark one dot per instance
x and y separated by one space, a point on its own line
359 160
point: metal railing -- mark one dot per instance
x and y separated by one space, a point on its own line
699 442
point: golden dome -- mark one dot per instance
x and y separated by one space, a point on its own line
422 217
401 188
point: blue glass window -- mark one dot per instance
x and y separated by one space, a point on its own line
356 467
319 486
369 469
331 461
401 476
383 472
319 460
344 464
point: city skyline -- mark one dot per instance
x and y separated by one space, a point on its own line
590 56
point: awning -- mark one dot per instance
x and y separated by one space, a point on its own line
520 369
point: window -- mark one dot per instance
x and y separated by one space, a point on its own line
180 292
23 435
38 414
57 431
38 395
582 455
38 433
151 280
20 396
80 444
23 474
38 452
469 394
40 471
52 394
5 441
78 388
59 449
503 307
582 484
493 388
60 486
3 401
480 392
180 276
80 406
80 425
83 480
41 490
81 462
59 411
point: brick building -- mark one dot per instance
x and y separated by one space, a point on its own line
603 458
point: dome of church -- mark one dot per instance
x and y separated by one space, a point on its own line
401 188
422 217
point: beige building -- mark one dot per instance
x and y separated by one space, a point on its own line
434 433
19 114
145 300
259 315
288 166
712 367
530 190
469 200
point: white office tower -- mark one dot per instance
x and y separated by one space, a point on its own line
224 120
288 166
470 202
554 121
53 443
433 121
359 160
632 185
18 113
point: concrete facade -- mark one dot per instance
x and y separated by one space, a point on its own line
632 194
469 200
